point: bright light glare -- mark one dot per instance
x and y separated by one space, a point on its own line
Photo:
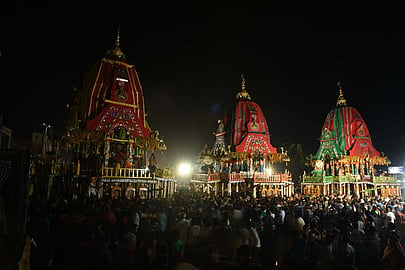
184 169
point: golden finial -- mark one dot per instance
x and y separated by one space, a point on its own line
117 41
243 93
341 100
117 51
243 82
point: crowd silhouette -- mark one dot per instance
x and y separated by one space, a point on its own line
195 230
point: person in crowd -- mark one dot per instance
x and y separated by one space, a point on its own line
313 237
393 257
372 247
103 258
176 249
109 219
193 231
389 216
129 247
152 165
346 256
254 240
181 226
224 232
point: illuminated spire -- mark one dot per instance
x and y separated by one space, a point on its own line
117 41
341 100
243 82
243 94
117 51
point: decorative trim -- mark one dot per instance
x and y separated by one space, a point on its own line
116 62
119 140
120 103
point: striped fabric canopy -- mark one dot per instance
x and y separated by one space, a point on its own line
246 126
344 133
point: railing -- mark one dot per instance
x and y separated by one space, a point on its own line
205 177
211 177
346 178
200 177
313 179
106 172
125 173
237 176
349 178
259 177
165 173
331 179
275 178
385 179
214 177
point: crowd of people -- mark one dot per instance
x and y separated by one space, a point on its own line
195 230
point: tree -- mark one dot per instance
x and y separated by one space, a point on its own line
297 161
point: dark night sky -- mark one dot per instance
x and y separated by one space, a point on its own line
190 60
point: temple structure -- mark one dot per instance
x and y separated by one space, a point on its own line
242 158
346 162
108 136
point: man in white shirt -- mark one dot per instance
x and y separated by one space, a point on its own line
389 216
182 226
281 215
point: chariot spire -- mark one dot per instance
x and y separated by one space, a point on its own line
117 51
243 94
341 99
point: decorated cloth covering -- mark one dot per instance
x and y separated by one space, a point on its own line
345 133
116 99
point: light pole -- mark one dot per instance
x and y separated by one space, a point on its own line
45 139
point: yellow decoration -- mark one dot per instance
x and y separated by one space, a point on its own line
121 103
117 62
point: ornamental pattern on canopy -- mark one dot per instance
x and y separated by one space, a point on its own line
244 129
345 133
110 99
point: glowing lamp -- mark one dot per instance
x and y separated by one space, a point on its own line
184 169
